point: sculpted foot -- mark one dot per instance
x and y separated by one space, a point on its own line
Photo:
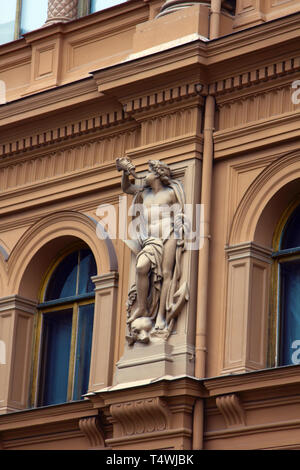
160 323
139 312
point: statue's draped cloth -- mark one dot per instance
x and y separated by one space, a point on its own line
153 247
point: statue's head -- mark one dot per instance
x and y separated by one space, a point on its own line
140 330
161 170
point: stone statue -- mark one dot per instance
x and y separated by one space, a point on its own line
154 300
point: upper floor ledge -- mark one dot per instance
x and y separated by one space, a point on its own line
130 36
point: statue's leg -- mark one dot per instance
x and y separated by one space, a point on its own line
167 270
142 286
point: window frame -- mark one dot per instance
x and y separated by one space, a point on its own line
279 257
53 306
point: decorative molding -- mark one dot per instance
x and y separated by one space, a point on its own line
105 281
63 133
16 302
255 76
71 159
232 410
141 416
92 430
249 250
256 107
162 97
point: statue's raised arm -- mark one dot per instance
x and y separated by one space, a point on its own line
125 164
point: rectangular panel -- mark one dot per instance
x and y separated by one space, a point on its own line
21 359
258 316
236 324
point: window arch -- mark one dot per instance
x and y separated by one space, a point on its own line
287 259
64 329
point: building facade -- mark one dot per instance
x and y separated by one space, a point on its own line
211 90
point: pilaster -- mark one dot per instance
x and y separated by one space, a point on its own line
16 329
104 330
245 345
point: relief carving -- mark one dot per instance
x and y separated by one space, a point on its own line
232 410
155 299
141 416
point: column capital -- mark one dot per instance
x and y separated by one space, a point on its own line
16 302
104 281
249 250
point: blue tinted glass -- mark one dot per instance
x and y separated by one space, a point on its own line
86 270
97 5
83 350
63 281
33 15
290 295
56 341
291 234
7 20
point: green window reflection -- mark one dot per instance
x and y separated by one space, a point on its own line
33 15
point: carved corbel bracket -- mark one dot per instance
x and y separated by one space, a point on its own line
140 417
232 410
93 432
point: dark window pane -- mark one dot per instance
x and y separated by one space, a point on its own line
56 342
86 270
291 234
63 281
83 350
290 298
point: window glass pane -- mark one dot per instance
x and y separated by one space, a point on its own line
290 298
8 9
97 5
86 270
83 350
33 15
63 281
56 342
291 234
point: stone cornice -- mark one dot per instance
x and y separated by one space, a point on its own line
40 102
46 415
250 381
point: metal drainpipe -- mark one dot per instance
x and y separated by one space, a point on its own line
203 271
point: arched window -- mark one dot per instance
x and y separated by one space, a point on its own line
64 330
288 259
